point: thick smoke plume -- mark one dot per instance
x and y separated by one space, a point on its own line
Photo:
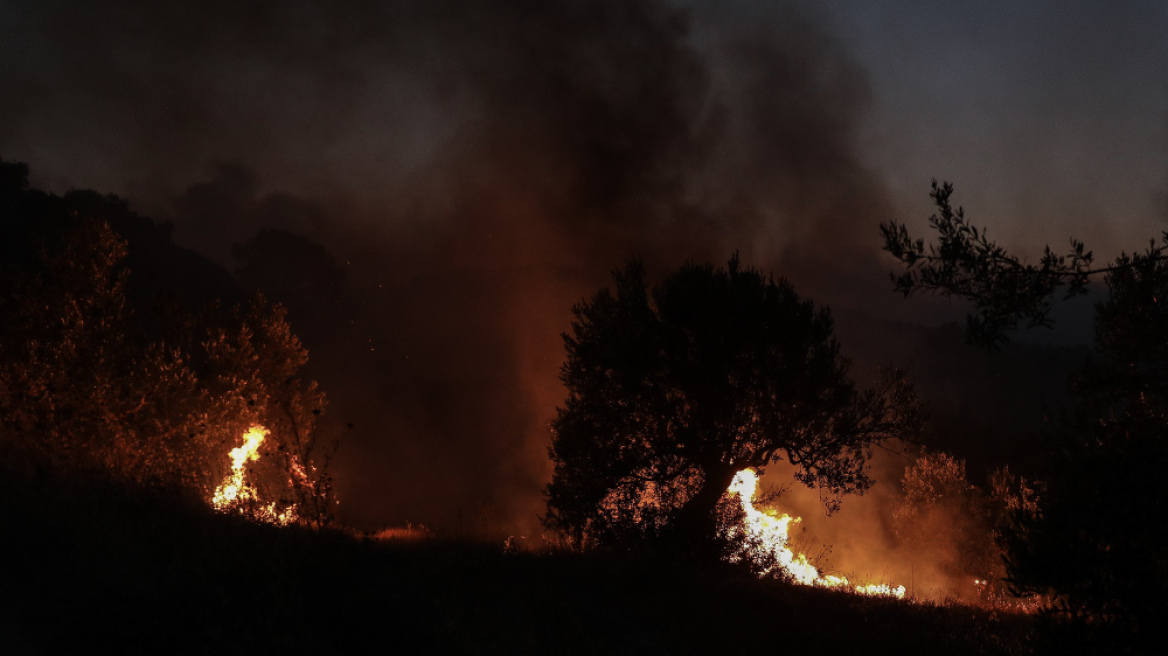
460 173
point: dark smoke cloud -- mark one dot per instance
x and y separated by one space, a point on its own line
473 170
228 209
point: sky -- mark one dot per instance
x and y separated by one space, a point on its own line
475 168
1050 117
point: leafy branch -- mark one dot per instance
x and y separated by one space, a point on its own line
1005 291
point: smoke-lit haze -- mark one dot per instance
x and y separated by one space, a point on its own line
463 172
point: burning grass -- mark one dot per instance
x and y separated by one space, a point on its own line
766 543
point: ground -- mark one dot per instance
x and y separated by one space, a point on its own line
93 565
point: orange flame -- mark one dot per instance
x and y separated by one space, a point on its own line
769 533
234 493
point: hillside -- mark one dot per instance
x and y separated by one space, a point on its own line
92 565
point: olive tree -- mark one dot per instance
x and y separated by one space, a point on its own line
673 390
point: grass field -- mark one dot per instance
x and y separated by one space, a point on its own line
92 567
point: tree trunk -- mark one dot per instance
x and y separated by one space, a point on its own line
696 527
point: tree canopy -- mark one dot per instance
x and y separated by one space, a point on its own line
103 372
672 391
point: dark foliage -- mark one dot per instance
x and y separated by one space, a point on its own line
144 374
668 398
1005 291
1093 540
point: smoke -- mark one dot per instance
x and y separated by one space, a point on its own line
937 554
472 170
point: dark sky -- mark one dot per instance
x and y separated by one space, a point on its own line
1051 117
477 167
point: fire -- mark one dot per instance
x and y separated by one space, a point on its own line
769 533
235 493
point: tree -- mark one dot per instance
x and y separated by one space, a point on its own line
1090 539
1093 541
145 391
247 365
942 518
1005 291
670 393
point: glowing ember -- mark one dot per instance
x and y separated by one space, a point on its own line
235 494
768 533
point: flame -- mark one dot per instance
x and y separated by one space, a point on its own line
768 532
234 493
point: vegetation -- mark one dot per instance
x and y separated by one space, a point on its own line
1088 540
1005 291
671 392
96 373
943 519
129 368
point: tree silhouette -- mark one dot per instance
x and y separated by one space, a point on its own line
1090 540
670 393
1093 540
1006 292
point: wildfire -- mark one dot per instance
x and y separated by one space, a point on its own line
234 493
768 532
